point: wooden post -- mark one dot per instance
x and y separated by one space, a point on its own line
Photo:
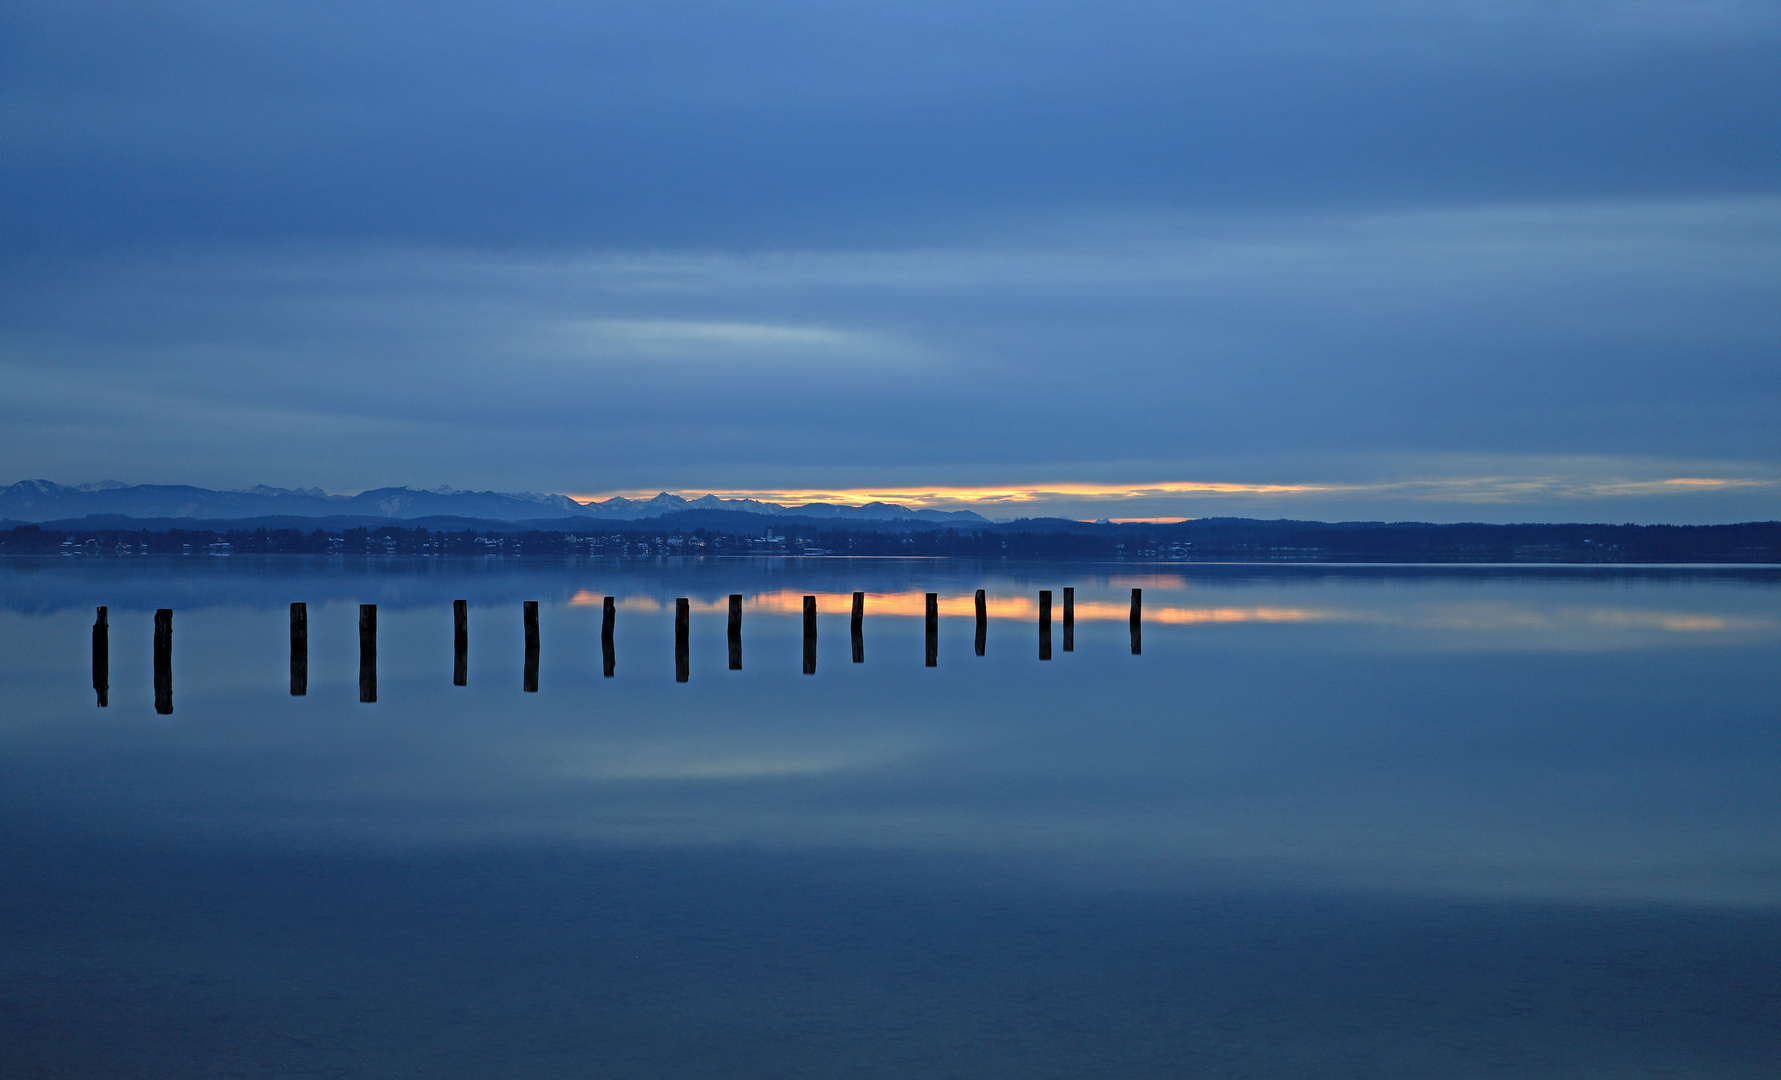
982 621
1044 624
682 622
1137 621
736 631
164 661
529 681
299 649
859 627
608 658
1069 618
102 657
460 642
810 635
367 653
933 628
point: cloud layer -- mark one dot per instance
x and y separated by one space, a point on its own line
1445 261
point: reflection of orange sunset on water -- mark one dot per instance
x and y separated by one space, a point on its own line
1025 608
964 605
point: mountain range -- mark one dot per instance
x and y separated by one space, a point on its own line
43 500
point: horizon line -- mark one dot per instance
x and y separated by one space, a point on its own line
1483 489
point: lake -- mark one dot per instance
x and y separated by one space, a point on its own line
1327 821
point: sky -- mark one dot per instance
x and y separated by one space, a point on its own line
1455 261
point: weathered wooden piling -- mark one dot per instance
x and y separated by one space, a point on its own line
460 642
608 658
299 649
858 627
810 635
736 631
982 621
102 657
1069 618
1044 624
367 653
682 629
1137 621
164 661
529 682
933 630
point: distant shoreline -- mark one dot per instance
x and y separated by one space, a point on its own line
729 533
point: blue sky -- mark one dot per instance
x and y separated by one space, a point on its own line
1443 261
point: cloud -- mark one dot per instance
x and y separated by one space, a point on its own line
1417 364
724 344
697 124
1397 258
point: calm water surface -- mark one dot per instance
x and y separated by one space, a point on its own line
1331 822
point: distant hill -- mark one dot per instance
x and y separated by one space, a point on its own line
43 500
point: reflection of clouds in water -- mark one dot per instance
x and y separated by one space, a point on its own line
1487 617
1675 623
715 759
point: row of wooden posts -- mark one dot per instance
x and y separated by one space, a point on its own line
163 647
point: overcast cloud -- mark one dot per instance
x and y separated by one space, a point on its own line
1448 261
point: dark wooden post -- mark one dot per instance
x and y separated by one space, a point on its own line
982 621
529 682
1137 621
367 653
682 623
736 631
608 658
164 661
1069 618
933 629
102 657
1044 624
810 635
460 642
858 627
299 649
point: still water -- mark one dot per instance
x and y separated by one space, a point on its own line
1329 822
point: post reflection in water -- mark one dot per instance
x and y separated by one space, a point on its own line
164 661
933 629
367 653
608 658
529 681
857 627
460 642
735 631
682 615
1137 622
299 649
102 657
982 621
1069 618
931 604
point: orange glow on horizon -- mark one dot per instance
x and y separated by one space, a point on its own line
1438 489
921 498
